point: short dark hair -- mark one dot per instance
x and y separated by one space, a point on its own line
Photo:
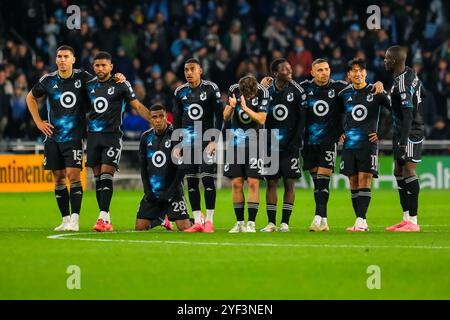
193 60
356 62
65 47
248 86
157 107
320 60
275 64
102 55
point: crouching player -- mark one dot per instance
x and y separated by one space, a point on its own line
360 155
161 178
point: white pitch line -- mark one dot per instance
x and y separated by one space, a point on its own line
235 244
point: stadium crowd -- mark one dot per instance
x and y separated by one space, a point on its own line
150 40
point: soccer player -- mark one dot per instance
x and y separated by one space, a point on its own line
104 144
247 110
323 128
197 103
408 135
64 130
360 154
161 177
286 114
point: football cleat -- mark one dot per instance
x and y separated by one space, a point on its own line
324 226
64 225
396 226
167 224
284 227
99 225
251 226
108 226
357 229
238 227
408 227
196 227
269 228
209 227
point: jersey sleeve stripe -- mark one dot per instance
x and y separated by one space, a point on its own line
215 87
265 91
234 86
299 87
347 87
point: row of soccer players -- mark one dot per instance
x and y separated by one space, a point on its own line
280 103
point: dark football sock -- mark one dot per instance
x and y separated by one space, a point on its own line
62 199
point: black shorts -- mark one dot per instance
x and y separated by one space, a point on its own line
206 165
413 151
289 166
243 163
152 210
323 156
103 148
359 160
61 155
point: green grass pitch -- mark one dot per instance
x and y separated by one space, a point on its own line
164 265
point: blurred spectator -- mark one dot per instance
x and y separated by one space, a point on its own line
134 125
235 39
107 39
277 34
300 55
18 115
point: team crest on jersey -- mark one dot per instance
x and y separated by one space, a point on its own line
255 101
369 97
403 96
111 91
331 93
78 83
203 96
167 144
290 97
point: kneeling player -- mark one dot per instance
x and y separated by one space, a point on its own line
360 155
161 178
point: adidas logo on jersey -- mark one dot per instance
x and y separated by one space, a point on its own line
350 99
55 86
184 98
93 91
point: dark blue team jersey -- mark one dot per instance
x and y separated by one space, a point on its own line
324 112
157 169
65 100
361 114
107 104
286 108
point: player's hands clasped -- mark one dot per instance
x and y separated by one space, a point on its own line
378 87
244 104
232 101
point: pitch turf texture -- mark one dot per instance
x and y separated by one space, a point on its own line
164 265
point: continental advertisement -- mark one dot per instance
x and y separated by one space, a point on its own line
25 173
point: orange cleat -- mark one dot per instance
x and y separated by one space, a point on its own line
197 227
108 226
100 225
396 226
209 227
357 229
409 227
167 224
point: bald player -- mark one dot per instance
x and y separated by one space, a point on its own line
406 97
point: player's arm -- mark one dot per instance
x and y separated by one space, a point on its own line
406 104
229 108
299 130
267 82
378 87
174 185
218 109
140 108
33 107
143 163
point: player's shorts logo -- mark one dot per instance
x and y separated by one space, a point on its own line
321 108
203 96
78 84
100 104
159 159
68 99
111 91
195 111
331 93
359 112
243 117
280 112
290 97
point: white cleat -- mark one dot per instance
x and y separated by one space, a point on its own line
251 226
64 225
315 225
238 227
73 223
269 228
284 227
324 226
